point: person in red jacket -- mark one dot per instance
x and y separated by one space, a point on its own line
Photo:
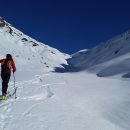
7 65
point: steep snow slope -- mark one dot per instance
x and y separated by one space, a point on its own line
117 66
110 58
27 51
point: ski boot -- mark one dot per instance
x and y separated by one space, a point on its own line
4 97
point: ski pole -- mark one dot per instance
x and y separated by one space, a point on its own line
14 86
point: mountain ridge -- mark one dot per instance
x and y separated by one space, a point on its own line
105 58
26 49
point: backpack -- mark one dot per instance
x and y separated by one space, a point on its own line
5 66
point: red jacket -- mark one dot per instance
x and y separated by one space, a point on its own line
11 64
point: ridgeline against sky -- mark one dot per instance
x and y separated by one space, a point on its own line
68 25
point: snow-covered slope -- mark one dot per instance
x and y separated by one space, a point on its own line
66 101
28 53
109 58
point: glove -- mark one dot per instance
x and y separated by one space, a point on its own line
14 71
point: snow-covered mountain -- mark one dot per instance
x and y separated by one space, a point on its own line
106 59
65 101
27 52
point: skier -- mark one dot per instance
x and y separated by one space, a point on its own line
7 65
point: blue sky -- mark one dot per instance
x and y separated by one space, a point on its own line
68 25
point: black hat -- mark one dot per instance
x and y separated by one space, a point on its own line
8 56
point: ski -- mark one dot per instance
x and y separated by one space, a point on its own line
10 95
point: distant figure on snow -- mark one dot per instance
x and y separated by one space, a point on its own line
7 65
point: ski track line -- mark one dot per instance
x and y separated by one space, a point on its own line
44 85
29 81
4 119
2 104
28 111
8 104
37 80
58 83
7 117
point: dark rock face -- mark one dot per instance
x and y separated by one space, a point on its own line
2 22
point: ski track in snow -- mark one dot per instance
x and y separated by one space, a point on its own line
7 106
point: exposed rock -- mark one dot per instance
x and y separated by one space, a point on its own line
2 22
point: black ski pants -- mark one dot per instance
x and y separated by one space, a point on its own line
5 80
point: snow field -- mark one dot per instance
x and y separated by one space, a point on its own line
78 101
